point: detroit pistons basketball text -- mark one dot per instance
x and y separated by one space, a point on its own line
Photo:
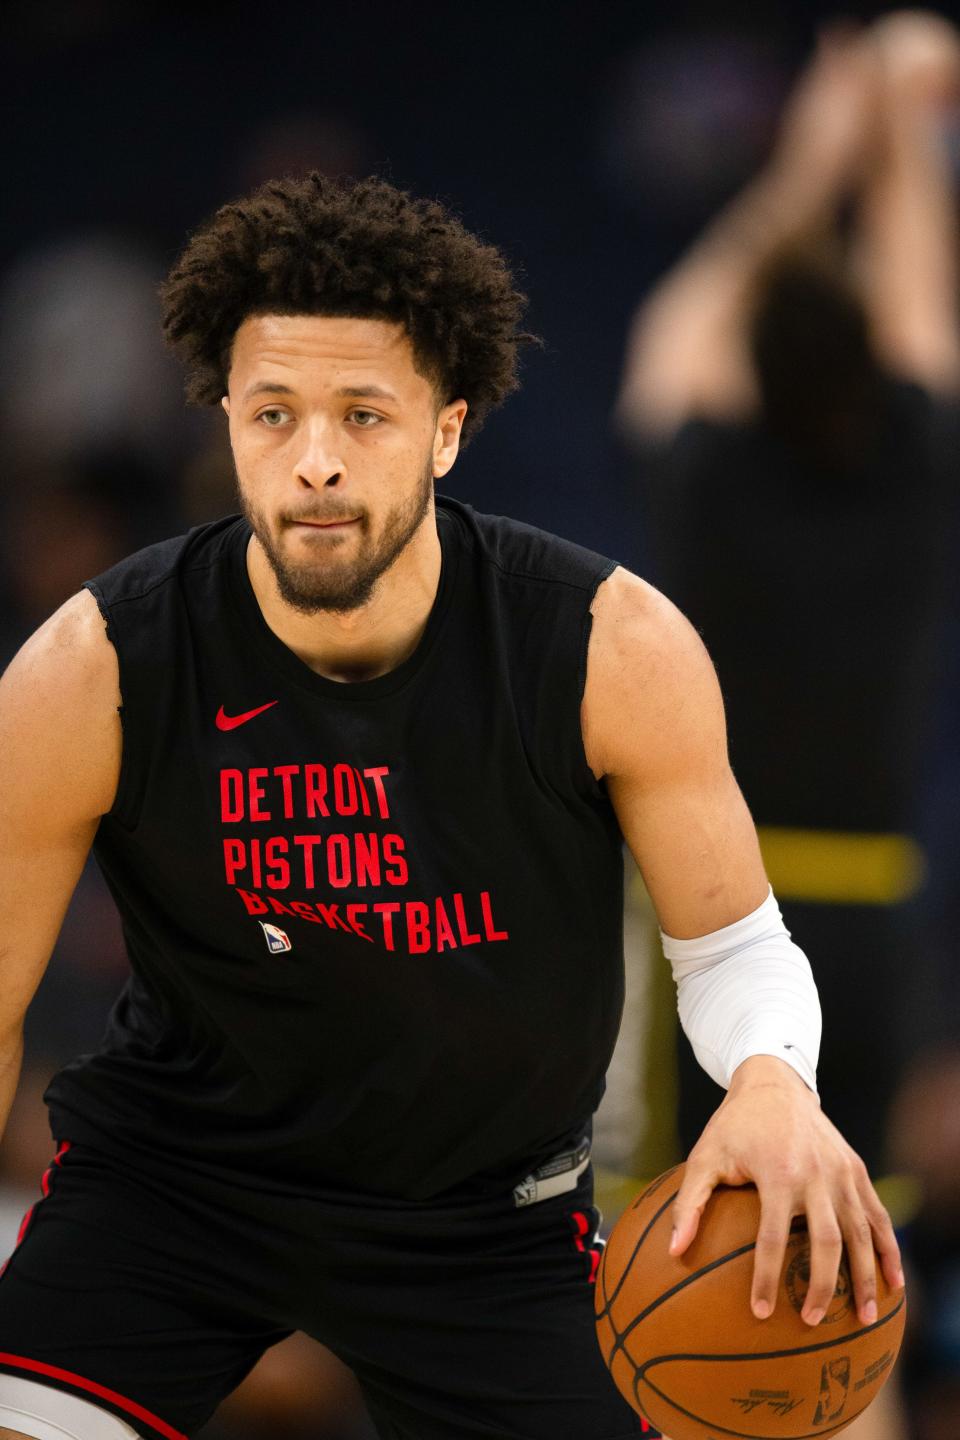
255 862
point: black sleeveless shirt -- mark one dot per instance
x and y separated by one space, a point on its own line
375 929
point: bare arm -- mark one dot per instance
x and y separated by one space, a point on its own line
60 748
688 353
908 232
667 772
653 726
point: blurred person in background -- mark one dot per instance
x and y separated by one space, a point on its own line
62 526
78 336
791 387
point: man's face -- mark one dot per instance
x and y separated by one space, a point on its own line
336 440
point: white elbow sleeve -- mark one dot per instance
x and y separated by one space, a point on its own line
747 990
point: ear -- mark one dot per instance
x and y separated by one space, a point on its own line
446 440
225 402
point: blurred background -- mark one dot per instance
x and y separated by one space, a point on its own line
737 225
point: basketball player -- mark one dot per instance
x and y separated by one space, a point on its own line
357 767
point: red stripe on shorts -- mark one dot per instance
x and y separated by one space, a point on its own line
45 1191
53 1372
581 1225
45 1179
581 1228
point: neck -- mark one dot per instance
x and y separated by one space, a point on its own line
371 640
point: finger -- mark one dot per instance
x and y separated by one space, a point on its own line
884 1239
768 1257
891 1261
826 1248
698 1185
858 1234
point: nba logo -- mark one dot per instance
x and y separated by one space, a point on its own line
277 940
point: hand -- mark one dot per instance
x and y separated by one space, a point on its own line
829 120
770 1129
919 54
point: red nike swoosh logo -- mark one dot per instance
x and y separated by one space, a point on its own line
230 722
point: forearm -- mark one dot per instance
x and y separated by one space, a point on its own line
688 351
908 241
747 991
785 206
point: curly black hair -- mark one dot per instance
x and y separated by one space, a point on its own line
321 246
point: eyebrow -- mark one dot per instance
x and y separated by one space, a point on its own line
346 392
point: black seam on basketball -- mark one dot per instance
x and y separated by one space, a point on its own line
608 1301
779 1354
738 1434
674 1289
654 1186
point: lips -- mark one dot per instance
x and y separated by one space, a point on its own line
327 524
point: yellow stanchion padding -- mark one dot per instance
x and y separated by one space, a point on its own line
841 867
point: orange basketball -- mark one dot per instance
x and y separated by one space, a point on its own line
687 1352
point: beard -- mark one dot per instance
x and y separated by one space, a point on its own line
324 583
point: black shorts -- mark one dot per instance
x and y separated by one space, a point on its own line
153 1296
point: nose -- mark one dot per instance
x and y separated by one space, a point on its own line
319 462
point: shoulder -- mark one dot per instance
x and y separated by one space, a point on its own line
640 640
60 710
651 687
70 651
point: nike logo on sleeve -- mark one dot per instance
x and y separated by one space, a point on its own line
230 722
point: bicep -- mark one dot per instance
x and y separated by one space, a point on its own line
36 883
60 749
655 726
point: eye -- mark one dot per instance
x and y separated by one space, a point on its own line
366 419
272 419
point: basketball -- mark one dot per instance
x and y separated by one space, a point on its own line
686 1351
